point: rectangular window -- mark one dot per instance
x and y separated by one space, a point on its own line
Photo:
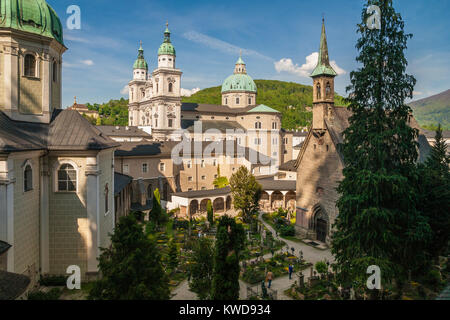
170 123
126 168
203 163
162 166
144 168
190 179
188 164
203 177
214 162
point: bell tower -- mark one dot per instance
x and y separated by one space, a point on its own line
323 84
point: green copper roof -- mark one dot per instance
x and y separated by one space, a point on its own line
34 16
167 47
323 64
140 62
263 108
239 82
240 61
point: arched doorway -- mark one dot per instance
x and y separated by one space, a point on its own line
277 200
228 203
219 205
320 223
204 205
193 207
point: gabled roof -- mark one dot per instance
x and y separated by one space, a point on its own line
213 108
288 166
120 182
68 130
203 193
263 109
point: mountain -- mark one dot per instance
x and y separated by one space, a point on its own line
433 110
290 98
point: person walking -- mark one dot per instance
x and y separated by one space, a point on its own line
291 269
269 279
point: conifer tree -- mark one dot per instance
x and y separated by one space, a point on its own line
378 223
131 268
434 195
173 255
202 268
230 240
210 212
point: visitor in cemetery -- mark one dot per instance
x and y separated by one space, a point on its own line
291 269
269 278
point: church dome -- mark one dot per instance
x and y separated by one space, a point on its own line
167 46
239 82
34 16
140 62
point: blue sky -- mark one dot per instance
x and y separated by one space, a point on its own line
278 39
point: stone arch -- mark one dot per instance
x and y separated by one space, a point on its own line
320 223
277 200
228 203
290 200
193 207
204 205
219 205
264 201
149 192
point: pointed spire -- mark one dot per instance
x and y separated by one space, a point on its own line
240 61
167 33
323 63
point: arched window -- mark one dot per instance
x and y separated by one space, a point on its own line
28 178
67 178
318 91
149 192
328 90
157 87
55 71
106 198
226 101
249 100
237 100
170 87
30 66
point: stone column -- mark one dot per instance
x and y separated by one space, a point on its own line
92 206
284 198
270 199
45 215
7 182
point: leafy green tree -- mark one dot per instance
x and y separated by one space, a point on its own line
378 222
220 182
230 241
210 212
98 122
173 255
202 267
321 267
131 268
246 193
434 195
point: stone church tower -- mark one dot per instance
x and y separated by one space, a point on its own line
166 99
155 101
319 165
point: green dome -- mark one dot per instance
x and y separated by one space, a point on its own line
34 16
167 47
239 82
140 62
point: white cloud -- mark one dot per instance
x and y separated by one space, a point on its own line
188 93
87 62
220 45
287 65
125 90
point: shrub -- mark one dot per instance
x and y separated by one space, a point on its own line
49 281
53 294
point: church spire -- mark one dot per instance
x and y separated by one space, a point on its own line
323 64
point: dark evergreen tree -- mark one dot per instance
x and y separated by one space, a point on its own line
434 195
131 268
246 193
173 255
210 212
202 267
230 241
378 222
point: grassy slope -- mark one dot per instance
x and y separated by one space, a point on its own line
433 110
